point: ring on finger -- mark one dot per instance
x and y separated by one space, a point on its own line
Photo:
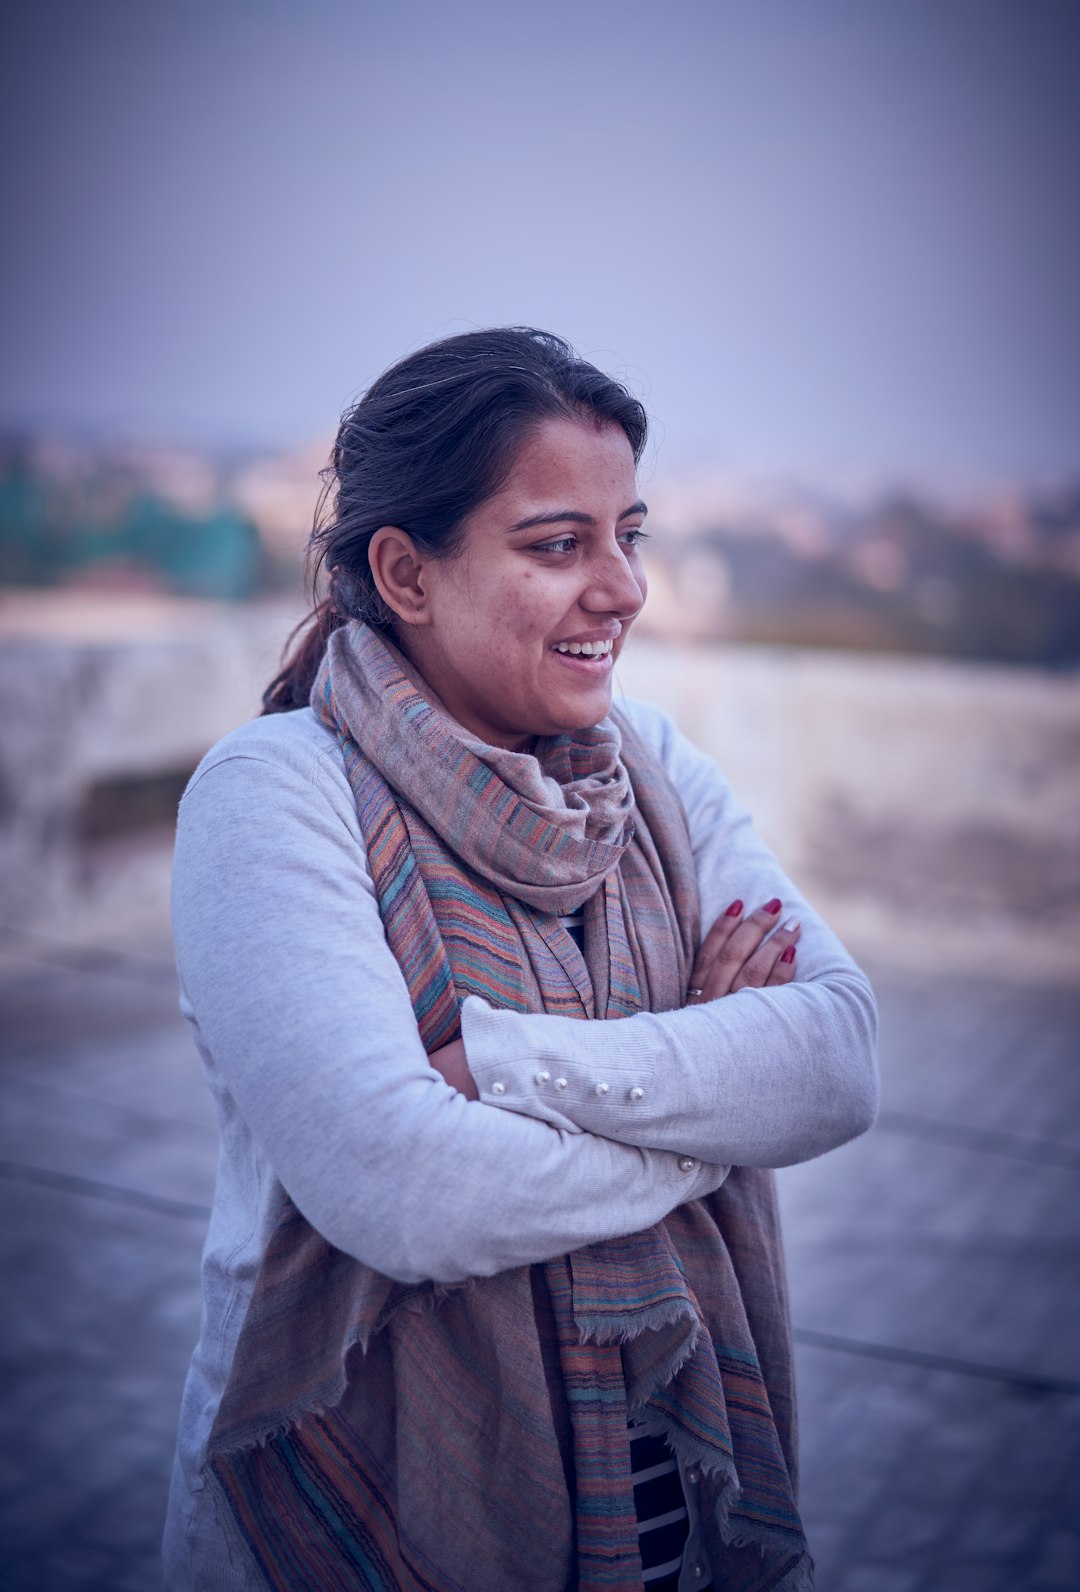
692 991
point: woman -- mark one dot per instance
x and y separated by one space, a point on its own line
494 1294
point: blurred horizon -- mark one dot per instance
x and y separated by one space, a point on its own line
992 578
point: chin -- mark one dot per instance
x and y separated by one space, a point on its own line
557 714
583 715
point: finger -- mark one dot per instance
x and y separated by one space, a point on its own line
783 968
761 968
734 953
721 930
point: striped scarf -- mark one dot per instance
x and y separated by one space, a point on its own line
473 1438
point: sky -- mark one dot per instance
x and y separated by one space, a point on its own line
838 241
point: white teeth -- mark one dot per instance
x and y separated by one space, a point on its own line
588 649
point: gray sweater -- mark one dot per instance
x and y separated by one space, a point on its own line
323 1088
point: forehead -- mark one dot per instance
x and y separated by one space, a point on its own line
571 464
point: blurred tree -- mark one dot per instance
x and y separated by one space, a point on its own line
106 525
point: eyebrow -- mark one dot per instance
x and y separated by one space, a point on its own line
572 517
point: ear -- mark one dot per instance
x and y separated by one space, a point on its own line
398 571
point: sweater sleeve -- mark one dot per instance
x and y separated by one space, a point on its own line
302 1012
760 1078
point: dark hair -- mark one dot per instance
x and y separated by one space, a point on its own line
432 439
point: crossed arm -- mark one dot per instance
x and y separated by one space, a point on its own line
753 952
781 1070
304 1021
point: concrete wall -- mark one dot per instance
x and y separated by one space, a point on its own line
96 696
931 810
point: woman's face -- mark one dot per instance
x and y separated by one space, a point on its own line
523 625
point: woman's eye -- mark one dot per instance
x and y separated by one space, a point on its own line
562 545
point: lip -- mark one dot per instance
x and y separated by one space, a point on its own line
589 635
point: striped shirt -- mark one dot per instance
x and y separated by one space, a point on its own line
663 1523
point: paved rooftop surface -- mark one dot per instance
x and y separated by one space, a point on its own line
935 1267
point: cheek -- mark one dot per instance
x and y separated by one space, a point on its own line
491 605
519 605
514 608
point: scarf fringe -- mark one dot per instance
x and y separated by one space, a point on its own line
768 1541
282 1424
623 1329
423 1301
673 1313
794 1566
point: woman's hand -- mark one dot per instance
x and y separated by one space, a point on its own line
450 1061
736 955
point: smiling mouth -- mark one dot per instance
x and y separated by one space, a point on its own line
591 651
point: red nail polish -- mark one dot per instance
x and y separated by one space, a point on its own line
788 954
773 905
734 910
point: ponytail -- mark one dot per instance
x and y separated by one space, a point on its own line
292 687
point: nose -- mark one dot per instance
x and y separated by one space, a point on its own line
614 586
